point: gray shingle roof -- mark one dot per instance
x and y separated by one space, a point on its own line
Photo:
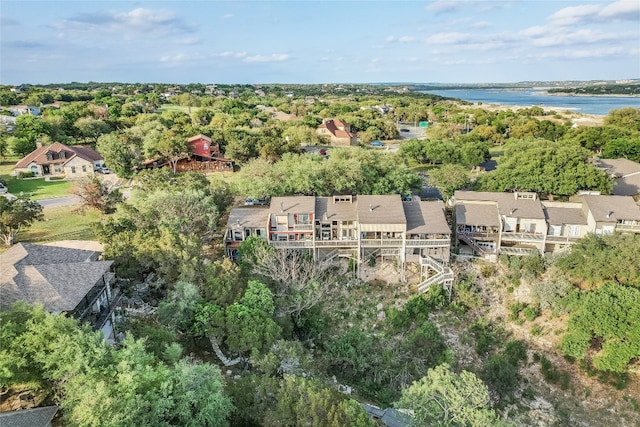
253 217
508 204
336 211
426 217
612 208
36 417
477 214
381 209
293 204
569 215
56 277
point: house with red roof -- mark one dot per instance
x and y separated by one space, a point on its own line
204 156
60 160
338 132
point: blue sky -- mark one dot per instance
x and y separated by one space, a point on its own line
300 41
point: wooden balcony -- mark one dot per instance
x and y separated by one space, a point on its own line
336 243
518 251
628 228
428 243
378 243
522 237
562 239
291 244
477 235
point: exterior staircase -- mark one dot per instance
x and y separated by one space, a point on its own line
443 274
474 245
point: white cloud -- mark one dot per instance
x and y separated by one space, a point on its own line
274 57
180 58
231 54
403 39
574 14
443 6
228 16
450 38
480 25
622 9
138 22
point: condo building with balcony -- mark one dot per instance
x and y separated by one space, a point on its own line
490 224
347 226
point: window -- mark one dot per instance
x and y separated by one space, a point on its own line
73 169
84 168
303 219
57 169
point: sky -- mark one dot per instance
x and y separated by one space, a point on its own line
300 41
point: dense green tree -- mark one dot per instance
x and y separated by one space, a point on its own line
303 402
161 231
91 129
604 326
30 127
595 259
97 193
100 385
628 148
444 398
624 118
449 178
16 215
557 168
177 310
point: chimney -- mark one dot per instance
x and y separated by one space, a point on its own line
281 207
609 213
237 222
370 207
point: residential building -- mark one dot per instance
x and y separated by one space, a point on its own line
204 156
606 214
493 223
60 160
344 226
338 132
65 277
626 175
490 224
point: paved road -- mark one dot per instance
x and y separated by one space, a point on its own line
60 201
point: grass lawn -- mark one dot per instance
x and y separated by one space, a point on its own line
38 188
6 166
496 151
173 107
61 223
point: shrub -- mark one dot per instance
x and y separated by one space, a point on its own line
487 336
25 174
531 312
515 309
466 297
515 351
550 295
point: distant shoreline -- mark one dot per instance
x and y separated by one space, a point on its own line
612 95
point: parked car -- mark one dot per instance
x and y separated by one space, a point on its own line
103 170
323 152
3 189
262 201
404 130
377 144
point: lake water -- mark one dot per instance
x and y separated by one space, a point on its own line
600 105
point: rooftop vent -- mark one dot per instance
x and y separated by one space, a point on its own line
281 207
